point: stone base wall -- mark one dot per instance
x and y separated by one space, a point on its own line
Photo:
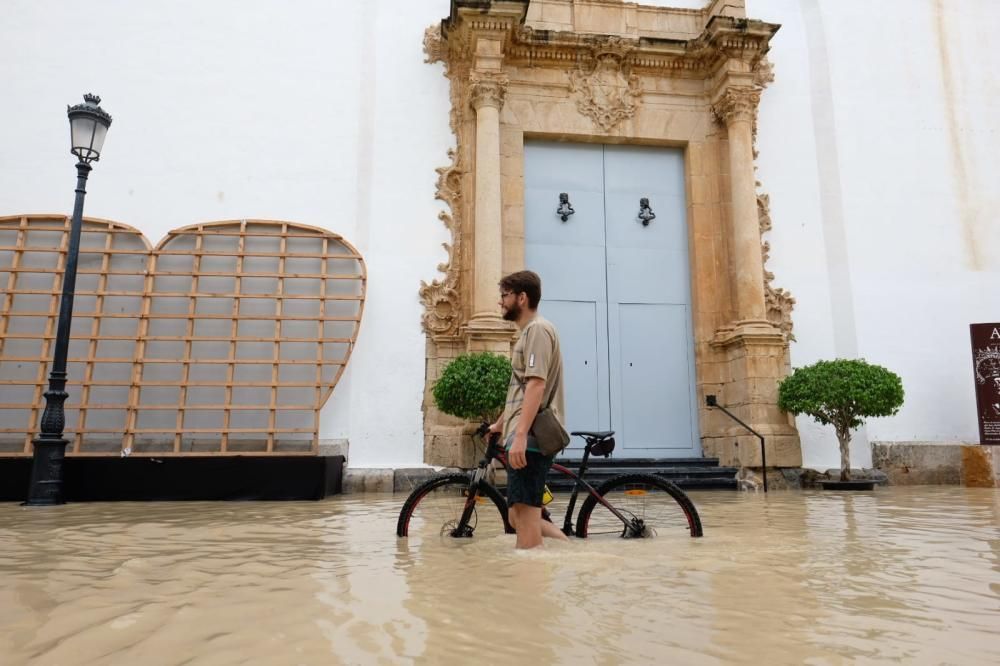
918 463
388 480
927 463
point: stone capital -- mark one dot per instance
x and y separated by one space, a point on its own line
737 104
488 90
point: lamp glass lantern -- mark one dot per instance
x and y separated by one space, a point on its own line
89 125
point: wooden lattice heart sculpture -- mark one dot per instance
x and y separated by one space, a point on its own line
227 338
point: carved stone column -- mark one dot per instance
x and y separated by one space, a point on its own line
736 108
486 97
755 348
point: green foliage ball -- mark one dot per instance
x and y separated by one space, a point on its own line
842 392
474 386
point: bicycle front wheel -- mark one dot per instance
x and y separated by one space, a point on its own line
435 509
650 505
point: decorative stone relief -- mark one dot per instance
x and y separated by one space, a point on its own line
456 70
434 47
764 211
779 301
442 317
442 303
607 91
763 73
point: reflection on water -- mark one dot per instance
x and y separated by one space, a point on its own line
904 574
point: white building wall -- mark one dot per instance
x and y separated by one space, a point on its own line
877 145
319 112
887 112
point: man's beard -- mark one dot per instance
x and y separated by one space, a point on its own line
512 313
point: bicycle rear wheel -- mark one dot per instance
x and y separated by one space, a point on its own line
434 510
652 505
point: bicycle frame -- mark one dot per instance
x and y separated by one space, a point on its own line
495 452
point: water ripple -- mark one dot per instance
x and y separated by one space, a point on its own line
905 574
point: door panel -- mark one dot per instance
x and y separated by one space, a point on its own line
576 169
656 408
650 262
651 342
569 257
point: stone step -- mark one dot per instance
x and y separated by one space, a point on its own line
667 472
689 473
560 483
593 463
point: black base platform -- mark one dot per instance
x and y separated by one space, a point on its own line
183 479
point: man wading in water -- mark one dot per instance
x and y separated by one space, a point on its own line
536 383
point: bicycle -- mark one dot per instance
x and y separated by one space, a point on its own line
631 505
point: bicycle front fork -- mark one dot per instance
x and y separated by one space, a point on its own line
463 529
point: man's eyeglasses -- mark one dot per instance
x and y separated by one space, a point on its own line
505 294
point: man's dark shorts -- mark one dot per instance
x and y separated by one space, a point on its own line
527 485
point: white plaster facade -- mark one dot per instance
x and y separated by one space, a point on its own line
877 145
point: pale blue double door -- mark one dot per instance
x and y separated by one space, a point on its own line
618 290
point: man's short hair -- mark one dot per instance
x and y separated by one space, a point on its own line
527 282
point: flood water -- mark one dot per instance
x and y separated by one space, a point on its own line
907 575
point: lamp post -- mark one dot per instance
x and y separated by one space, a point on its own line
89 125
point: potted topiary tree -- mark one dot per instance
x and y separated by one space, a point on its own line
474 386
842 393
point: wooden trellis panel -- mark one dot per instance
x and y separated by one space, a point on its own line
227 338
109 290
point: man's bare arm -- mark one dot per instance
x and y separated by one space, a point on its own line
534 389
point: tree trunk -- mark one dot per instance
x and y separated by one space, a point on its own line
844 437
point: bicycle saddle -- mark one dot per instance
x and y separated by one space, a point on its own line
597 436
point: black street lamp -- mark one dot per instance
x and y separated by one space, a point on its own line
89 125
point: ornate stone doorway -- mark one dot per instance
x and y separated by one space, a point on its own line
609 72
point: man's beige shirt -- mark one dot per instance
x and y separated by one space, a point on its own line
536 354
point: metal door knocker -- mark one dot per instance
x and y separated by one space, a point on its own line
646 213
564 210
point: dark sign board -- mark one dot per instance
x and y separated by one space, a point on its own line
986 369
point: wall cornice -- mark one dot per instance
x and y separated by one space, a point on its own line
724 40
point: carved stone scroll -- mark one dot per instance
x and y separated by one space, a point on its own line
779 302
442 303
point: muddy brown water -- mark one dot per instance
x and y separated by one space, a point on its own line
900 575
